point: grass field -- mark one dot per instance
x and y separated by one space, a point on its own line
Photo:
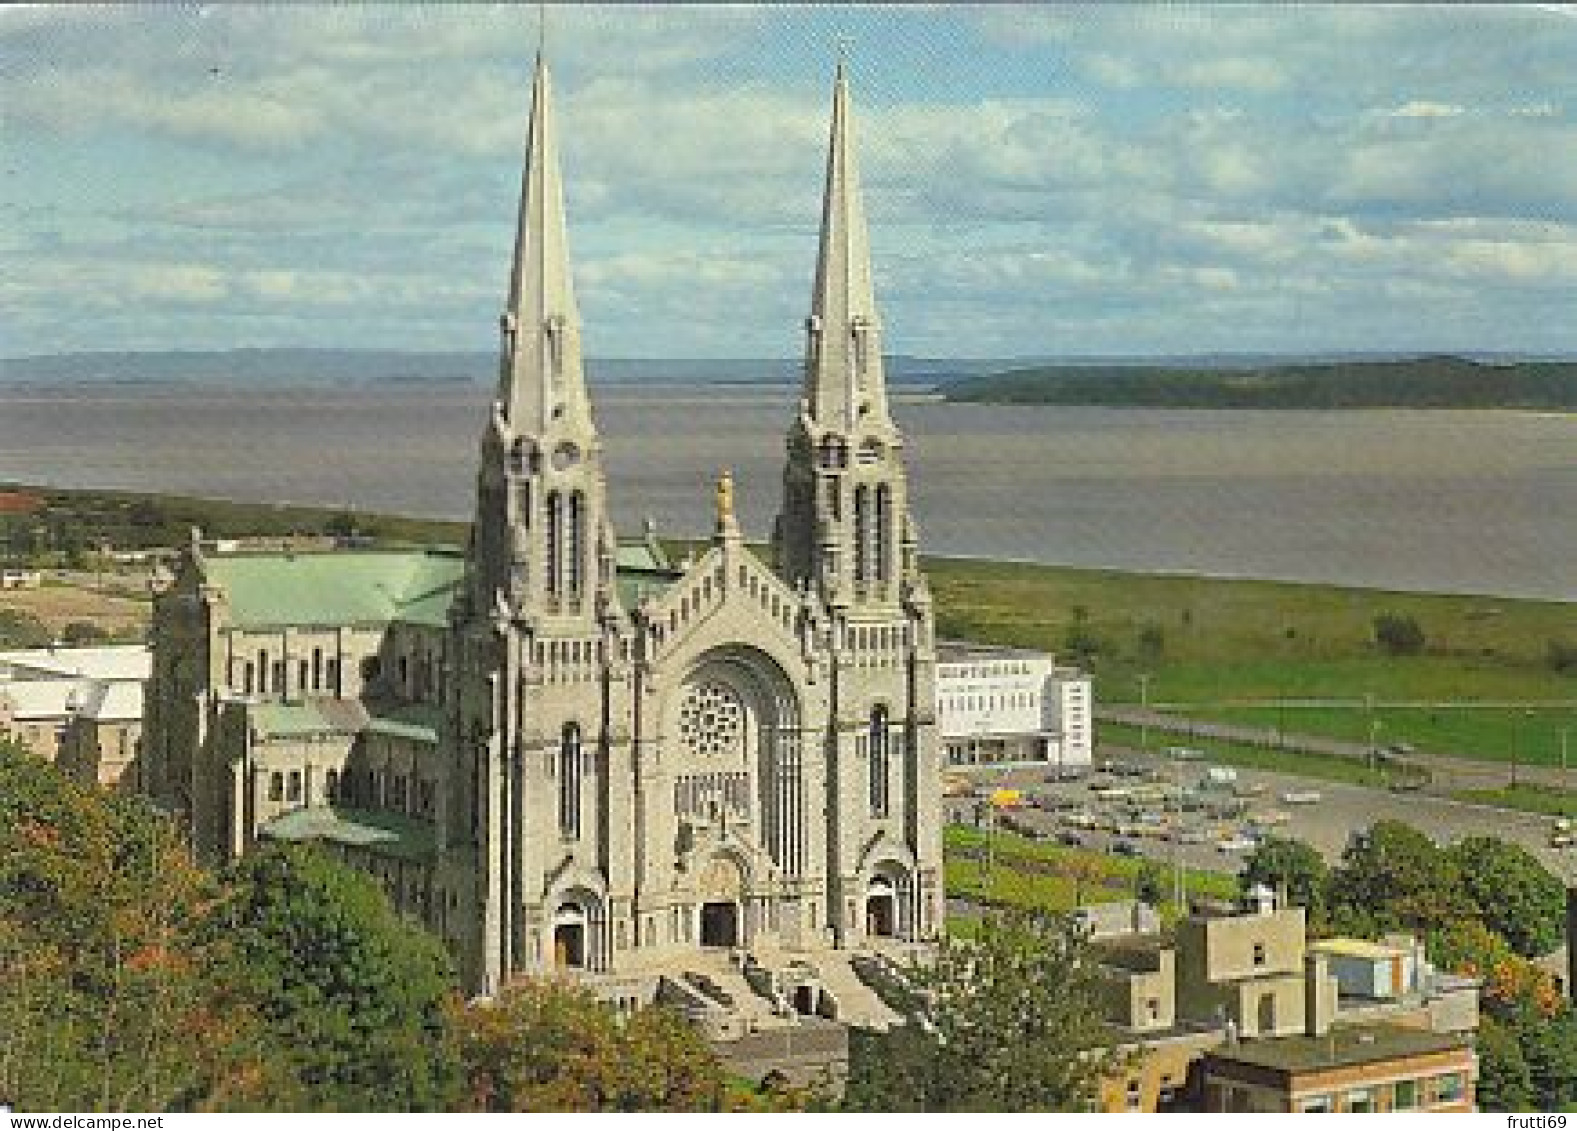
1026 874
1213 647
1531 799
1530 734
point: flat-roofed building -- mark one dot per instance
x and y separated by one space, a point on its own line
999 705
1350 1069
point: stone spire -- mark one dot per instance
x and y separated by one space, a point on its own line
543 546
541 380
844 385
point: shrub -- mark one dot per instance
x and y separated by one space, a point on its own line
1398 634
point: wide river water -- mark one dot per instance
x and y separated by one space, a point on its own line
1479 502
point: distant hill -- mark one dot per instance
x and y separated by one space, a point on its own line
1418 382
284 368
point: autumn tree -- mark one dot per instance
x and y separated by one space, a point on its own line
549 1046
1008 1020
112 996
354 994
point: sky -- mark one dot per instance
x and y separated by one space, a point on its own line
1040 180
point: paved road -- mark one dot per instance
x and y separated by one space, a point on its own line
1327 825
1448 772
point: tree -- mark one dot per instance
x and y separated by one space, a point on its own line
1152 641
1398 634
1504 1081
355 994
113 994
1519 898
548 1046
1295 871
1006 1021
1394 877
1149 883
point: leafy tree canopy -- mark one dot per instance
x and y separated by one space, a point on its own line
1291 868
548 1046
1518 897
1009 1020
356 994
1393 877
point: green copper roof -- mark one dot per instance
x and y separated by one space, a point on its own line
298 720
419 721
337 587
388 834
378 587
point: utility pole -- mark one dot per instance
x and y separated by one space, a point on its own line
1516 742
1565 782
1144 715
1374 753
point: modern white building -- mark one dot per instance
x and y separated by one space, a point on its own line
998 705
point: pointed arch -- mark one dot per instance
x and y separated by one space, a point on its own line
571 763
862 533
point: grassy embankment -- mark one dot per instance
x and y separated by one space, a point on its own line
1230 650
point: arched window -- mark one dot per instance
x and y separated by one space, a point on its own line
276 786
555 509
331 787
570 769
317 669
249 677
574 565
862 533
880 759
884 532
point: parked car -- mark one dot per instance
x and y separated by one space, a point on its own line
1125 848
1302 797
1237 843
1070 838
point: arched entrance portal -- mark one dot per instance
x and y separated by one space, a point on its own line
881 913
569 937
889 902
722 892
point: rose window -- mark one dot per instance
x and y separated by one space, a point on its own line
712 721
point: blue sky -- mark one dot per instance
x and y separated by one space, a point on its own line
1041 180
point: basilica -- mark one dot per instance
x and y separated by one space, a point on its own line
715 781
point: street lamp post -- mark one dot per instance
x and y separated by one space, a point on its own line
1144 715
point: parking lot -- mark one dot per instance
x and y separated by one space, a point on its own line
1174 811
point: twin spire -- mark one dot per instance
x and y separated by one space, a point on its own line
542 380
844 385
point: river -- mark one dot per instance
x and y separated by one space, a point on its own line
1469 501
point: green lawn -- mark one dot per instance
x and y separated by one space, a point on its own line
1531 799
1216 645
1036 875
1531 734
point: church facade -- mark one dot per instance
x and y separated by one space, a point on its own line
561 751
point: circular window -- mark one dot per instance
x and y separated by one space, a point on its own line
712 721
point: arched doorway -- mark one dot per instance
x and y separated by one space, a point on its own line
569 937
881 913
889 899
722 891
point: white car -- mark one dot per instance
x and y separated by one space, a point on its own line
1302 797
1236 844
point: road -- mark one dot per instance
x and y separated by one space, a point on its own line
1448 773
